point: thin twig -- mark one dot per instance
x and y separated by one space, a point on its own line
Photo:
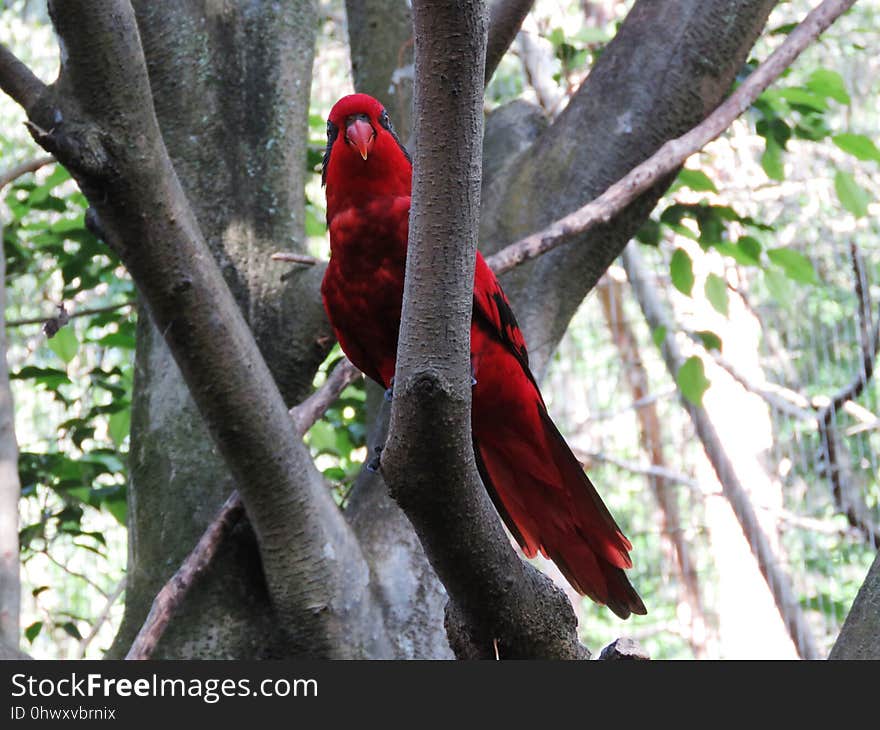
171 596
74 574
675 152
102 617
305 414
24 168
81 313
295 258
650 470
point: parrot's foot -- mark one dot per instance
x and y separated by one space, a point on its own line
374 463
389 393
473 376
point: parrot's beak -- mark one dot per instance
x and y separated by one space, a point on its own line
360 134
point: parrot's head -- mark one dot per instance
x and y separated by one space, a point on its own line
362 144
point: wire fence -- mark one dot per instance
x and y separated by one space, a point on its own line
810 479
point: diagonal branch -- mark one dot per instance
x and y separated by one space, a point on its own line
674 152
173 593
505 19
18 81
25 167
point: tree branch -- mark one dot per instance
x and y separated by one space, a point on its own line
80 313
860 636
505 19
674 152
295 258
101 618
174 591
496 600
171 596
651 438
18 81
25 167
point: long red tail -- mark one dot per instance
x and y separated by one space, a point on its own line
549 504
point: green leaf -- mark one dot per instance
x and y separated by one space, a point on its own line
33 631
649 233
119 509
323 437
710 340
314 225
830 84
51 378
795 265
695 180
71 630
659 335
119 425
857 145
681 269
751 247
692 380
64 344
771 160
852 196
802 97
716 293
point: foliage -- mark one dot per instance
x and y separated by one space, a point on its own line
76 387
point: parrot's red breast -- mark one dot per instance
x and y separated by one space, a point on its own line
536 483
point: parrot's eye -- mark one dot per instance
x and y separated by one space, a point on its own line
385 121
332 133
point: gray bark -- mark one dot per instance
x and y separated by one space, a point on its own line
497 603
380 37
412 597
10 581
239 154
860 636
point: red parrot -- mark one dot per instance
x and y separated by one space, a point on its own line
537 485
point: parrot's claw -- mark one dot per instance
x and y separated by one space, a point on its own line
374 463
389 393
473 376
